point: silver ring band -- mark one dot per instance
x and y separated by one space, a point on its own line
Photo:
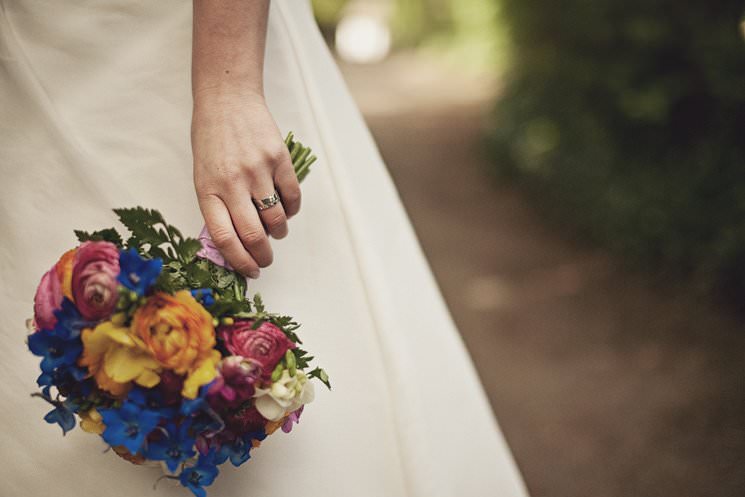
266 203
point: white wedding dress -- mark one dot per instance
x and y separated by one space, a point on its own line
96 104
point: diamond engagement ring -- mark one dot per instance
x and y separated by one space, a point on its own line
267 202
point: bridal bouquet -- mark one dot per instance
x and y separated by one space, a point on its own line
152 344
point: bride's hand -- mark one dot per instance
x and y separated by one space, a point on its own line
239 155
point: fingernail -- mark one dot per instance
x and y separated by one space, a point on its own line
254 274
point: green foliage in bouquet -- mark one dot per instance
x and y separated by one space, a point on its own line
627 118
153 237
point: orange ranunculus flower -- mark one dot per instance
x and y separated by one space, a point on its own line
179 334
64 270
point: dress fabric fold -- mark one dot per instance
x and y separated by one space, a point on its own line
96 106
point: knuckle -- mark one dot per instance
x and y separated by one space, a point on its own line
231 175
292 195
276 220
252 170
252 236
275 155
213 178
292 206
206 193
222 238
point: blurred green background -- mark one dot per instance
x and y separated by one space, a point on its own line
625 118
629 119
575 172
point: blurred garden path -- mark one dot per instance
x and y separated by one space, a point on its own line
604 384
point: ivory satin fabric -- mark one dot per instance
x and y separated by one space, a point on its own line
96 105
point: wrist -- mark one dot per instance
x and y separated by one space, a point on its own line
227 83
226 95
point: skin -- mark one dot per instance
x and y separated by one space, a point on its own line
239 153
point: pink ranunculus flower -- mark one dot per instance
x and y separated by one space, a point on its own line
234 383
48 299
94 283
209 251
264 346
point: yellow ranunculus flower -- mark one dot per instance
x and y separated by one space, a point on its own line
92 422
116 358
179 334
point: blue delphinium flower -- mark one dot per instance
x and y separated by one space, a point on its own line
60 349
137 273
238 450
174 447
191 406
144 397
128 425
256 435
152 399
55 350
61 345
207 422
204 296
61 415
66 378
201 475
69 321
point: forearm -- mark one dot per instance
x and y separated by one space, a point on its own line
228 46
239 154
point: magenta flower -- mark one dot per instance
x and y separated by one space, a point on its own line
170 387
264 346
234 383
293 418
245 421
